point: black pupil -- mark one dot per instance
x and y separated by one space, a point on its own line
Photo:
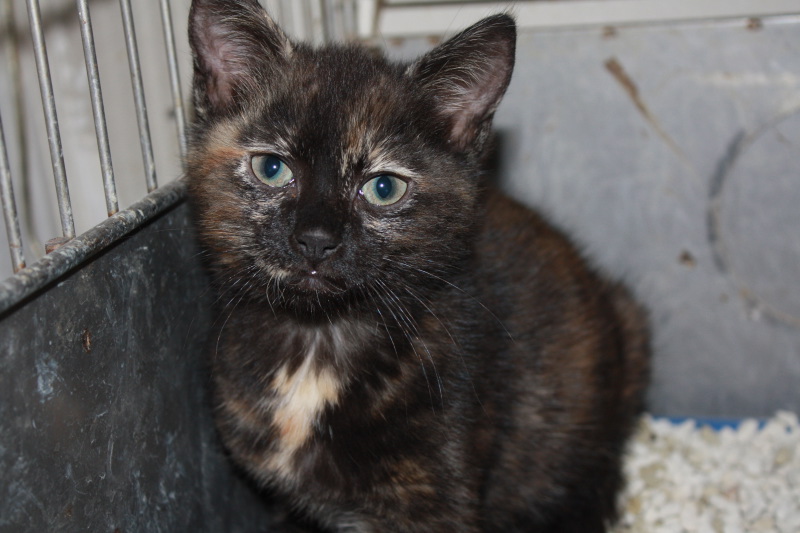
383 187
271 166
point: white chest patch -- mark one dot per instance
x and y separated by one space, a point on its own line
300 398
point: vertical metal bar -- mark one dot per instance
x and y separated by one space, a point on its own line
287 17
10 207
93 74
315 14
275 11
298 20
174 76
138 95
19 126
348 19
51 119
334 13
367 15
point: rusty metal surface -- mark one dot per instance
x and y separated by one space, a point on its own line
104 417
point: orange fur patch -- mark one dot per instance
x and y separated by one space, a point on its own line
219 148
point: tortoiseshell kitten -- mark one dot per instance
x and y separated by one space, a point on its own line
402 348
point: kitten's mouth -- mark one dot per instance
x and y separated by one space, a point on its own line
314 281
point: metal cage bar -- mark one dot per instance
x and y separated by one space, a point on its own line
334 21
96 95
275 9
298 19
138 94
10 207
317 20
174 76
51 119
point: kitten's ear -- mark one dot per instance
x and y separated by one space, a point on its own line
468 75
234 44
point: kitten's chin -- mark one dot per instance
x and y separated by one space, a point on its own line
312 296
315 283
308 281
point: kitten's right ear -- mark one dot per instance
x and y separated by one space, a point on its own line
234 45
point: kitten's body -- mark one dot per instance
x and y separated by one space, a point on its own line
443 363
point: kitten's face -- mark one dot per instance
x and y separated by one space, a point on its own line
320 176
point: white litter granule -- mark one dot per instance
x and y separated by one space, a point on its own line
686 478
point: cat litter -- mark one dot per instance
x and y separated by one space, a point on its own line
687 477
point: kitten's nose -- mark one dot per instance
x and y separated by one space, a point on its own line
317 243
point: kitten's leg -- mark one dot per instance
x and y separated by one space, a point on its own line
408 525
574 521
447 517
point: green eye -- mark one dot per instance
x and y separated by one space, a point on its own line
271 170
384 190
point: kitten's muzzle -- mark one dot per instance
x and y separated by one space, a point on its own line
316 244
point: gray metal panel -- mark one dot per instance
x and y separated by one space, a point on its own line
672 152
104 416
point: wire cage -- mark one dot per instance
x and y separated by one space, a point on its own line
671 148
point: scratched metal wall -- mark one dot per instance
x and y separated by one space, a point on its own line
672 154
104 415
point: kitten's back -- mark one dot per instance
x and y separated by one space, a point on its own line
576 358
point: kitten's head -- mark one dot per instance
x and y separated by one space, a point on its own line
324 176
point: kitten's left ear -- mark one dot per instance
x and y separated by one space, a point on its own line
235 45
468 75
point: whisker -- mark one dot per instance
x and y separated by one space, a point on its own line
232 310
408 319
462 291
401 324
456 345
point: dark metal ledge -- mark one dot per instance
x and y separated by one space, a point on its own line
72 254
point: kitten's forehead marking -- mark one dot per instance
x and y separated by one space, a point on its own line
358 136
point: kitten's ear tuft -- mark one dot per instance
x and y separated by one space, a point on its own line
467 77
233 42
